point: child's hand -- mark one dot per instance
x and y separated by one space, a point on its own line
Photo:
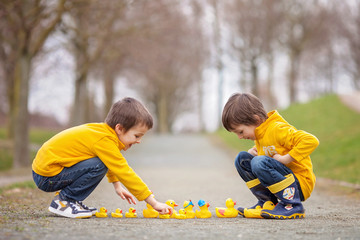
253 151
162 208
123 193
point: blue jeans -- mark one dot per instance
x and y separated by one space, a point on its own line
76 182
268 170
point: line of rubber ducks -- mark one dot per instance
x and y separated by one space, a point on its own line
184 213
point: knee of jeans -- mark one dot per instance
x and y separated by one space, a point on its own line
101 167
258 163
239 158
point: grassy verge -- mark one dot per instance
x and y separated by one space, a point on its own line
336 126
37 136
19 185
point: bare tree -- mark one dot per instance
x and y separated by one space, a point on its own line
88 26
320 58
254 28
350 35
163 61
24 28
300 26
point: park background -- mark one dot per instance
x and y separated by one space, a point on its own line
63 63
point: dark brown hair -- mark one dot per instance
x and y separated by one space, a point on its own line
242 108
128 112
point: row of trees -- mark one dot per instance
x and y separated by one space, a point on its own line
162 47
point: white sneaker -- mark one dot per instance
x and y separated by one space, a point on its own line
68 209
83 206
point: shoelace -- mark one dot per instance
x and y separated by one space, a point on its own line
74 207
83 205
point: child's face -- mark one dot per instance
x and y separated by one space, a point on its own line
132 136
245 131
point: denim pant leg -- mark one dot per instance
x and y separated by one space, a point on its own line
76 182
243 166
270 171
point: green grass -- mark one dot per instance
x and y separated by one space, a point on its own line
21 185
336 126
37 136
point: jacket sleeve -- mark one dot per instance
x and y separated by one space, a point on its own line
300 143
119 170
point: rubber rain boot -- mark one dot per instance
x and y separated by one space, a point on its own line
262 194
289 206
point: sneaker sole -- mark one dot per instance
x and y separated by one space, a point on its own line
282 217
55 211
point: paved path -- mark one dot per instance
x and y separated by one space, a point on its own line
187 167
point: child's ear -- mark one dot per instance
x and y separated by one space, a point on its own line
258 120
119 128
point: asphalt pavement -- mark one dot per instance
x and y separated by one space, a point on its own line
189 167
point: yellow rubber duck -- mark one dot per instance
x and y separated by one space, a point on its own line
256 213
150 212
131 213
164 216
188 206
181 214
172 204
229 211
204 211
102 213
117 213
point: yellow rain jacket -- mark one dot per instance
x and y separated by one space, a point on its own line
275 135
77 144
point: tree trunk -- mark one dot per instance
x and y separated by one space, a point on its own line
293 76
109 93
200 104
162 114
20 115
80 100
255 80
270 81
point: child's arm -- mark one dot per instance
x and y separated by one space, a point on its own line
123 193
162 208
284 159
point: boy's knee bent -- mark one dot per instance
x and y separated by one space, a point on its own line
99 166
242 156
258 164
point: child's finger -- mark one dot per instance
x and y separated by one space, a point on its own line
122 195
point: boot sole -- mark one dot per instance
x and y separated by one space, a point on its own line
241 213
282 217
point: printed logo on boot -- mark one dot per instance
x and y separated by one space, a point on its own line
289 193
288 207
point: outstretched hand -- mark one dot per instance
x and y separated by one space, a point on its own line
123 193
163 208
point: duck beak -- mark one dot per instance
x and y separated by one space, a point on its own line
176 205
208 204
234 203
106 210
134 210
